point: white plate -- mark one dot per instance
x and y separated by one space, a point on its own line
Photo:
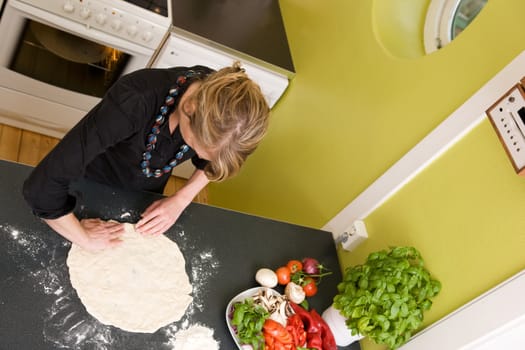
240 297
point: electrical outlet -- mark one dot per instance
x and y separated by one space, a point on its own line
354 235
507 116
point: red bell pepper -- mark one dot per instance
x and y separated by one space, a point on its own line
326 333
319 336
295 327
309 324
314 341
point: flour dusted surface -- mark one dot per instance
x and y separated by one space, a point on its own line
139 286
196 337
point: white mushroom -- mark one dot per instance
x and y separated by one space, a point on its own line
266 278
294 293
277 305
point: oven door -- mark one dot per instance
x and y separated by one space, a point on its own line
53 70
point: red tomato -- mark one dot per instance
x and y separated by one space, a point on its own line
283 275
309 287
278 331
295 266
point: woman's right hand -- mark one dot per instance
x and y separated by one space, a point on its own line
101 234
90 234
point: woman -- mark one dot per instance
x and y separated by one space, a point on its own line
149 122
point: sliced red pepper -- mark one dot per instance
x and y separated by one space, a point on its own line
312 327
319 335
309 324
326 333
314 341
295 327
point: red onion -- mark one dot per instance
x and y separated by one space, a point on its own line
311 266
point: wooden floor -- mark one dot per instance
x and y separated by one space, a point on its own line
29 148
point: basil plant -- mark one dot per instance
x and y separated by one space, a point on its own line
384 298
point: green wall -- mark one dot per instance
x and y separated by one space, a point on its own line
356 106
464 213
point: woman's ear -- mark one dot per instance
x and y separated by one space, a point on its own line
188 103
188 108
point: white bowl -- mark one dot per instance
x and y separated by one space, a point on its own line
239 298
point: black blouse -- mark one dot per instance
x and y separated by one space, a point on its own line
108 143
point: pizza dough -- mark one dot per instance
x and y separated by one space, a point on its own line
138 286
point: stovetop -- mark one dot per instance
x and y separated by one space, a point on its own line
252 27
157 6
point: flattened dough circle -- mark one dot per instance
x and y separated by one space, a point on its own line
138 286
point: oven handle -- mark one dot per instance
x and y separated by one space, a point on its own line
79 29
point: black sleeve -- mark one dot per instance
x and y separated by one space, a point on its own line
112 120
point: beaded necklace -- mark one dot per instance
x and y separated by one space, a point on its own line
164 113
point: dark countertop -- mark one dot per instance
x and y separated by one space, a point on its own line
253 27
40 310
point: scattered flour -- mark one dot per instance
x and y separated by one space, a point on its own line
196 337
68 327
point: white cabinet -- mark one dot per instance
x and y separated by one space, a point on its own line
181 51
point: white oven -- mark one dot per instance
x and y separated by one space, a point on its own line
58 57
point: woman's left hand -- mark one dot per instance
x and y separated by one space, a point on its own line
160 216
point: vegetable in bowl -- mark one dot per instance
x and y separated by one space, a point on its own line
247 312
263 319
248 319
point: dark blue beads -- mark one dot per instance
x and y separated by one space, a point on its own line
165 110
152 138
169 100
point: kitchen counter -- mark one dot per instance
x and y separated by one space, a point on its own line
40 310
254 28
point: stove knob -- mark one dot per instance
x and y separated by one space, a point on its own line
101 19
68 7
132 30
147 36
116 25
84 12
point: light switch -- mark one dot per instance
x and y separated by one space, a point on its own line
507 116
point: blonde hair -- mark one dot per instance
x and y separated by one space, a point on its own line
231 118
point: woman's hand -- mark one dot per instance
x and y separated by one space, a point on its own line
101 234
160 216
90 234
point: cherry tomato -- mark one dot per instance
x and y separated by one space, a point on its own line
295 266
309 287
283 275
